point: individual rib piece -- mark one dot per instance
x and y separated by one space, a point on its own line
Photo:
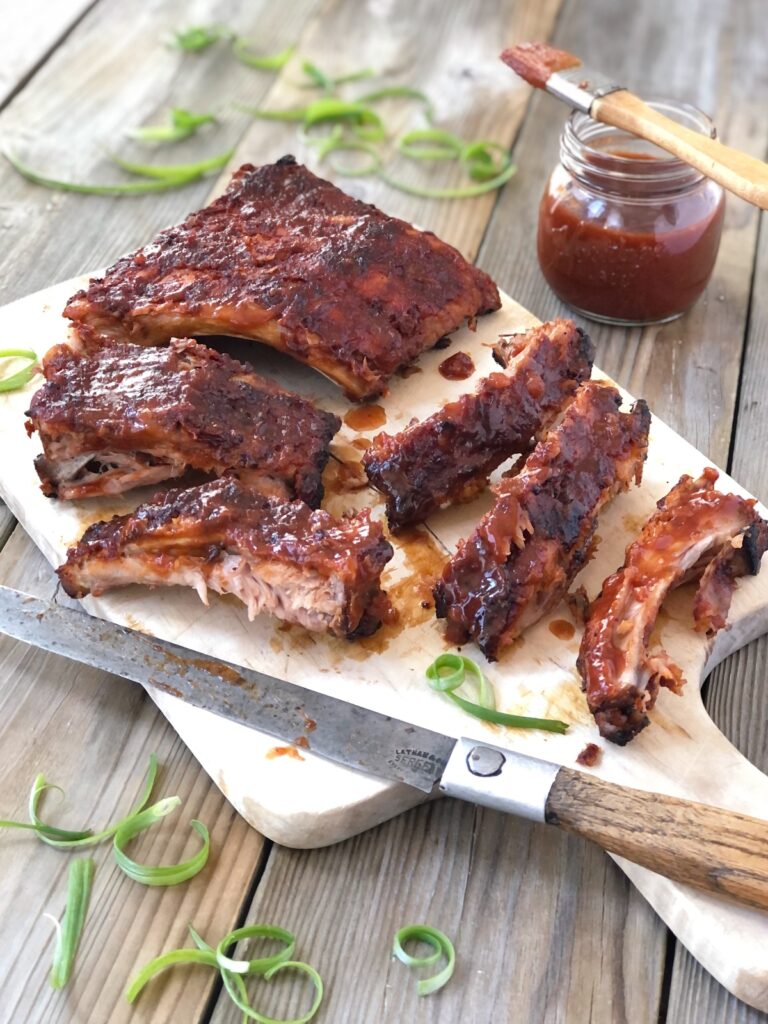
129 415
449 456
527 549
286 258
281 557
696 530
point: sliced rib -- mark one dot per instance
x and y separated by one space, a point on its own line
697 530
449 456
129 415
288 259
280 557
527 549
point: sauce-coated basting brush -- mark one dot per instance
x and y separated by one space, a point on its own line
596 94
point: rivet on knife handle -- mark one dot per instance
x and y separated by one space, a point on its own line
710 848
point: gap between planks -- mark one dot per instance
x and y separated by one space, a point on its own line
31 33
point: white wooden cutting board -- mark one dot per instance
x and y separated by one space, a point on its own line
304 801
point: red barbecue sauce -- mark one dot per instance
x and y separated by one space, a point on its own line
459 366
624 260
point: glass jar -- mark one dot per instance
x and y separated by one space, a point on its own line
628 234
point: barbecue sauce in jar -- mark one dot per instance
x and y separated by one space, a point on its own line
628 234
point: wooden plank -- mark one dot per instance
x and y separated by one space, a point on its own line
737 697
448 50
520 902
679 367
92 733
30 31
113 73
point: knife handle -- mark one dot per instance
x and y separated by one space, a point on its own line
719 851
710 848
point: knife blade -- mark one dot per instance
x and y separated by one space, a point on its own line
343 732
708 847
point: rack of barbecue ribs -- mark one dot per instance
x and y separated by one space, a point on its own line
286 258
299 565
128 415
697 532
449 456
524 553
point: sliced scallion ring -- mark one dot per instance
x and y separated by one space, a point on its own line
431 144
325 144
317 78
449 671
164 874
200 37
265 114
180 125
268 62
199 941
173 171
512 721
354 76
479 159
127 188
458 667
354 147
66 839
242 1004
459 192
263 964
399 92
204 954
79 882
330 108
21 377
170 959
320 80
441 945
233 971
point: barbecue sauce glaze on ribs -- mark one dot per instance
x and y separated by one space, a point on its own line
527 549
281 557
288 259
127 415
449 456
697 532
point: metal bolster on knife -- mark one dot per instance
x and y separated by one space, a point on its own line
497 778
579 87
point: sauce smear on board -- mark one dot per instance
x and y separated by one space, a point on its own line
459 366
365 417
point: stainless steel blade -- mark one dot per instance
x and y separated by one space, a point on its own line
350 735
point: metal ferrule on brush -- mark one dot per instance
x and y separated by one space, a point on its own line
580 87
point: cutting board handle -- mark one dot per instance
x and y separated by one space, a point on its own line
720 851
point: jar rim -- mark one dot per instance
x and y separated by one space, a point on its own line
581 132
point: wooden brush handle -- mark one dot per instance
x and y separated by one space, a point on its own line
739 173
717 850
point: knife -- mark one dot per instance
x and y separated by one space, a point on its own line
710 848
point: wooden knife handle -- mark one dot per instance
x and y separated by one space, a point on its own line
707 847
740 173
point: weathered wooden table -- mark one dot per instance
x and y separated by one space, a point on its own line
547 928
